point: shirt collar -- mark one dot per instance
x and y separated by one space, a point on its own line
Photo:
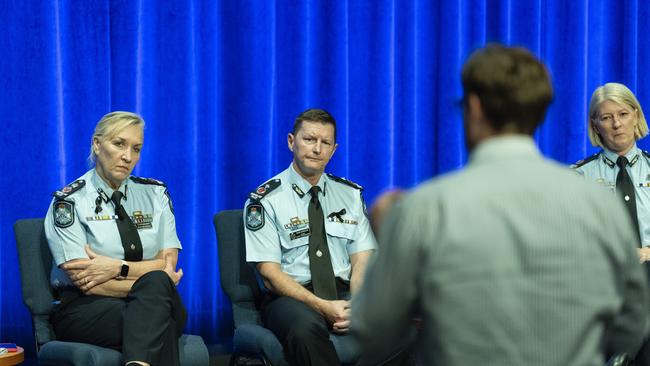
301 186
610 157
100 184
505 147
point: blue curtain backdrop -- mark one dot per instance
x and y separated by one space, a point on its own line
220 82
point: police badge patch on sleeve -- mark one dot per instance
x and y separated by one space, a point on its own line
63 213
254 216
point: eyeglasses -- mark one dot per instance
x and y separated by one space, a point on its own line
622 116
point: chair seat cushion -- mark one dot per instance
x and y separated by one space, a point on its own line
193 352
72 353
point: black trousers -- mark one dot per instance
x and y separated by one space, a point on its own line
144 326
303 332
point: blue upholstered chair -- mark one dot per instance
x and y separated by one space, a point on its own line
251 340
35 265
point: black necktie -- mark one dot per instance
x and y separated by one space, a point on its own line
625 188
128 232
320 263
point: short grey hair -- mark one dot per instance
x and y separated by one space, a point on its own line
621 95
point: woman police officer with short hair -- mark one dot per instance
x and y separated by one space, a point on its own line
615 122
113 239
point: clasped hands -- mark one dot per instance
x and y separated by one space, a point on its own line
337 313
98 269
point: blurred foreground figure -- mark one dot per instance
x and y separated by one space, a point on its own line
382 207
514 260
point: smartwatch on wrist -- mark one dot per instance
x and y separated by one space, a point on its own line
124 271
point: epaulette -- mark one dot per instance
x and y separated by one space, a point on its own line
147 181
264 189
584 161
69 189
345 181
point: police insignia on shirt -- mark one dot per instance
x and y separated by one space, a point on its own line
298 191
338 217
254 216
101 218
264 189
296 223
63 213
299 234
142 221
69 189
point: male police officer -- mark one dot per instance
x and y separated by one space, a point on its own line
309 237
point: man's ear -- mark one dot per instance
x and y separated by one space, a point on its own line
334 149
290 140
474 106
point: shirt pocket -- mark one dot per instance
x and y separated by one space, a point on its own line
609 185
341 231
294 244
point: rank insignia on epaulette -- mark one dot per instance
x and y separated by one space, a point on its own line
582 162
147 181
264 189
344 181
69 189
63 213
254 216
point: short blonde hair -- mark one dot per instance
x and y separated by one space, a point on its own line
110 125
619 94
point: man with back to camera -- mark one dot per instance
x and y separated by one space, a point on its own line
513 260
309 238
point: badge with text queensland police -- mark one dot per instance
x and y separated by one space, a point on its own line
254 216
63 213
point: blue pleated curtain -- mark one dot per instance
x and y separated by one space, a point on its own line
220 82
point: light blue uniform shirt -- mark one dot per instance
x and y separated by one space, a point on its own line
284 236
148 204
602 169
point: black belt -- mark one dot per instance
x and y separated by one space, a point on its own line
342 287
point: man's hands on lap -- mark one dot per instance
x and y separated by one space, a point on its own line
337 313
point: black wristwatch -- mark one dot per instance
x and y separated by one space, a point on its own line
124 271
